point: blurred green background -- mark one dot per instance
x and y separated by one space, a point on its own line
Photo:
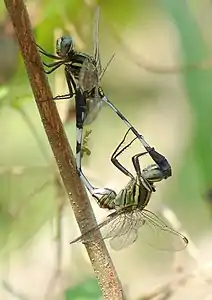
171 109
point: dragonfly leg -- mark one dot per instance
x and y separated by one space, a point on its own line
62 97
136 164
71 85
54 64
47 54
52 69
117 152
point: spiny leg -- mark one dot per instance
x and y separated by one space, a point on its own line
62 97
117 152
70 82
136 164
47 54
52 66
134 160
52 69
71 87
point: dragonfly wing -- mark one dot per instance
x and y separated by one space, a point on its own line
119 242
88 76
121 230
117 226
93 106
157 234
88 236
96 53
120 225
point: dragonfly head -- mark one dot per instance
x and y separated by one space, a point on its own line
64 46
152 173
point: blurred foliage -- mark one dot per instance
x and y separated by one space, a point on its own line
8 52
196 173
19 208
22 210
88 290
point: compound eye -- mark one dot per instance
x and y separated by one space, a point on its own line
153 174
64 46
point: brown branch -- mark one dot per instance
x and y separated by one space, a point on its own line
100 259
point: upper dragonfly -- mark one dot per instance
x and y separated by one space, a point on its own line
81 69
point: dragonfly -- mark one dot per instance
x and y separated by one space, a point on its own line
79 67
85 71
122 225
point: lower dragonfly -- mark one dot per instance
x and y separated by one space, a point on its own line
130 215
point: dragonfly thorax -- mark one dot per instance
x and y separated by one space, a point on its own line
64 46
135 194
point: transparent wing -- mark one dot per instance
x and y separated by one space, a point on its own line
122 227
87 236
96 53
94 72
88 76
93 106
118 226
120 242
156 233
88 82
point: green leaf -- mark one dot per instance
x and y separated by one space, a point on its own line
88 290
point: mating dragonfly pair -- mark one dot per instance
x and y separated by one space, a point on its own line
83 74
